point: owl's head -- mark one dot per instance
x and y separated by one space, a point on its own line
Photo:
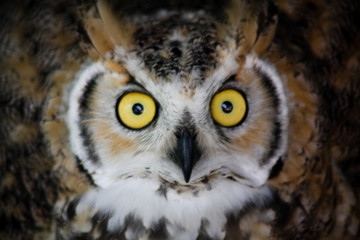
180 107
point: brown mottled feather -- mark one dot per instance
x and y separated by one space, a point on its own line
315 47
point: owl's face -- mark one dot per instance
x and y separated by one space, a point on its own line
175 124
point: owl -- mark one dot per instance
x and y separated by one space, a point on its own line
180 119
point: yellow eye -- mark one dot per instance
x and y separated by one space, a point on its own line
136 110
228 108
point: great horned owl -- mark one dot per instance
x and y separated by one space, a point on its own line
179 119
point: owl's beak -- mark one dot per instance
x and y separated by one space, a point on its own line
186 152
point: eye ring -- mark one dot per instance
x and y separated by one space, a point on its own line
136 110
229 108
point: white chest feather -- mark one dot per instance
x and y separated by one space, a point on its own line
181 210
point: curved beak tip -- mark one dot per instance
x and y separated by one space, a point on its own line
187 175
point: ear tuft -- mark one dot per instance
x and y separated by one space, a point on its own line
107 30
255 22
98 35
266 36
119 30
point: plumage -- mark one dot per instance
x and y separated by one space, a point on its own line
179 119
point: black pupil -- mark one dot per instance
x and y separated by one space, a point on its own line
138 109
227 107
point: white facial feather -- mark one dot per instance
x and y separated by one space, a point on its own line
253 62
73 119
